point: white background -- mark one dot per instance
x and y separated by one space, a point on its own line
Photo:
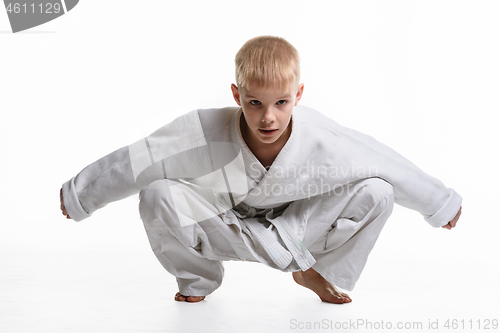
420 76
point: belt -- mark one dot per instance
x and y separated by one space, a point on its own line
281 255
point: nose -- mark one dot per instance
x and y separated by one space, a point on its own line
268 117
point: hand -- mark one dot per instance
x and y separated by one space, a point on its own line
453 222
62 206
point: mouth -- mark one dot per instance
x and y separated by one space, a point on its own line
268 131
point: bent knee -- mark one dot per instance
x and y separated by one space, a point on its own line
156 195
371 196
376 190
156 191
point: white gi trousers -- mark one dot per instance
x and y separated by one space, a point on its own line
340 231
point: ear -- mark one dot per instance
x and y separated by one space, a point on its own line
300 91
236 94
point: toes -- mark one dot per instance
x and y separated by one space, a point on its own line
346 297
342 300
338 299
193 299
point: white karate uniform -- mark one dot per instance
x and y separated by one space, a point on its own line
206 198
340 232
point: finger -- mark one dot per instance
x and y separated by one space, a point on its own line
459 213
453 222
61 199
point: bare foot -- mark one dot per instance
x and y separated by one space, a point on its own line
324 289
191 299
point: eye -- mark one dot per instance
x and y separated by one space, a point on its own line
282 102
254 102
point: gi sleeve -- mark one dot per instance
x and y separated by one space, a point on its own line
173 151
413 188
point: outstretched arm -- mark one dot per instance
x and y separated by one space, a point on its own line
127 170
453 222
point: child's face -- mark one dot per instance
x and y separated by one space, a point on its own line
267 112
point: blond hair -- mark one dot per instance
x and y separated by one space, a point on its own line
267 61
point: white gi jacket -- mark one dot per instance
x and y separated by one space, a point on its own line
205 148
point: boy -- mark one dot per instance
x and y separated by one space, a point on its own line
268 181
